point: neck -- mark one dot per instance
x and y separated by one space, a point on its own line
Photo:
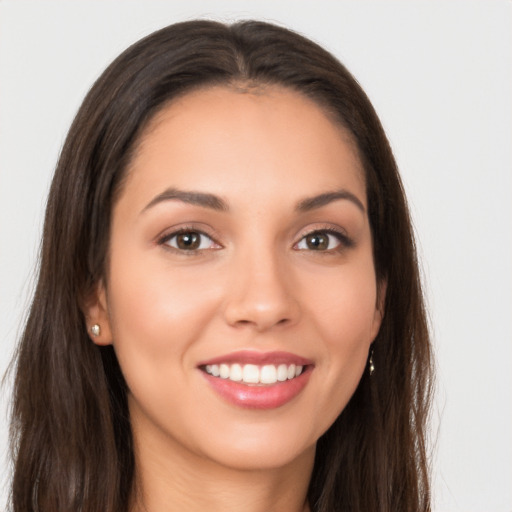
171 478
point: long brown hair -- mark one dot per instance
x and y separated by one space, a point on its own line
71 436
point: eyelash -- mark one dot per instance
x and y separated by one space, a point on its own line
344 241
163 240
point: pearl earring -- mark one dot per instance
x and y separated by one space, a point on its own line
95 330
371 366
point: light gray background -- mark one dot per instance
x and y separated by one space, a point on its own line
439 75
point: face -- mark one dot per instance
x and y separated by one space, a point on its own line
241 296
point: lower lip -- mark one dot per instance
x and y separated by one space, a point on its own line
259 397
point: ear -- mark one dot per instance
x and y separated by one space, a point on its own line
380 305
95 310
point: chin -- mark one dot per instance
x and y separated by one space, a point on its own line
259 456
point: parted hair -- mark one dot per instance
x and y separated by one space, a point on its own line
71 438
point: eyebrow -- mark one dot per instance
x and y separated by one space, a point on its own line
311 203
196 198
214 202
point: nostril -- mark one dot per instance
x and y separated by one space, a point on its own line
260 324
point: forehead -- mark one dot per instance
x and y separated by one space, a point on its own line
270 139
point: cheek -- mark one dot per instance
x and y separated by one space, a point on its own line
156 312
148 295
343 304
344 312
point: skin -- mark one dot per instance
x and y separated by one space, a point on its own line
254 284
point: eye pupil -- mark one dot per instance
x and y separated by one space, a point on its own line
188 241
317 241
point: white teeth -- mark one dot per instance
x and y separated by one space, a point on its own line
224 371
213 369
235 373
268 374
253 374
282 372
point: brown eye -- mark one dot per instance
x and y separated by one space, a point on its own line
321 241
189 241
317 241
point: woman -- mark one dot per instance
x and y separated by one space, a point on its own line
228 313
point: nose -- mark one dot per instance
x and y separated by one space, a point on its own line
262 294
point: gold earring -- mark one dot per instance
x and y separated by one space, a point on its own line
371 366
95 330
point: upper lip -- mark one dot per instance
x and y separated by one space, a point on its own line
258 358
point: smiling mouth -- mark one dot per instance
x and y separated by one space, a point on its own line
257 380
255 375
